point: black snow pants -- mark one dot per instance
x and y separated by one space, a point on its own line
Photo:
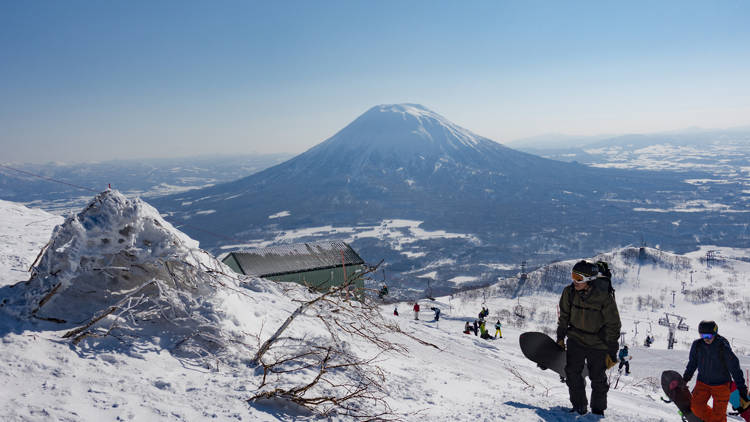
626 364
576 356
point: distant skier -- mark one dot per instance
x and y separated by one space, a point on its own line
498 331
383 291
648 341
624 359
484 313
717 365
437 312
416 310
591 321
395 311
476 328
467 328
483 329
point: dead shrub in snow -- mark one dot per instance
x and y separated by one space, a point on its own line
325 372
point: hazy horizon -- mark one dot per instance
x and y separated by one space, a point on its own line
91 81
563 142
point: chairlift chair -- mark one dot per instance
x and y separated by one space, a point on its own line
664 321
682 326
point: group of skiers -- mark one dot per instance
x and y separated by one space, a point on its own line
480 326
590 321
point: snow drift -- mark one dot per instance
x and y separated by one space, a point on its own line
117 273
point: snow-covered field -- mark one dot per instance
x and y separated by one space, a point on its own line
125 376
398 234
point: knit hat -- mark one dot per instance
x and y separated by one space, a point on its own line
585 271
708 327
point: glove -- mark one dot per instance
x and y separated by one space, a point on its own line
744 401
612 354
561 344
610 362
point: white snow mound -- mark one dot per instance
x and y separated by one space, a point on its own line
118 273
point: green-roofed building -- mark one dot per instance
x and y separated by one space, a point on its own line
319 265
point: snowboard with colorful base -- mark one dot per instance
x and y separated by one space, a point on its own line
545 352
677 391
741 407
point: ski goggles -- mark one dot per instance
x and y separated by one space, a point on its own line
580 278
707 336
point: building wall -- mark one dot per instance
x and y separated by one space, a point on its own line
322 280
232 263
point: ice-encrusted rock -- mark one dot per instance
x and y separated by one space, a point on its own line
118 273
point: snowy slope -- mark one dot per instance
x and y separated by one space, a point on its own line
128 376
645 280
23 232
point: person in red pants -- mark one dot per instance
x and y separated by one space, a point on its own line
717 365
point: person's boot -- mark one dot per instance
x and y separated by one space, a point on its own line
581 410
597 412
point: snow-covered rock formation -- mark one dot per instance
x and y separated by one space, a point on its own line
117 273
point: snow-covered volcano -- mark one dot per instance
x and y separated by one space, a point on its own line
406 137
404 162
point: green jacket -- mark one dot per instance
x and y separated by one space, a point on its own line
591 318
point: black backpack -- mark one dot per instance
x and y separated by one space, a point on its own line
604 269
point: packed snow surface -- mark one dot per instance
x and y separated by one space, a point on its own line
178 341
23 232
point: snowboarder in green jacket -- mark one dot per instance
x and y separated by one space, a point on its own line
590 320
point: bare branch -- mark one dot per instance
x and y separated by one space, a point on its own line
514 371
337 380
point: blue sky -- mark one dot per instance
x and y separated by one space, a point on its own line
103 80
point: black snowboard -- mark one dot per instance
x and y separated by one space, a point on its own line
540 348
677 390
